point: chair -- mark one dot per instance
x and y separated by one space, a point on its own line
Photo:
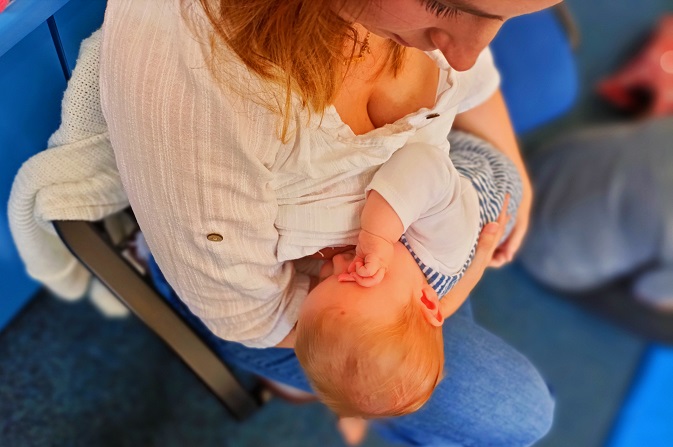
534 54
93 247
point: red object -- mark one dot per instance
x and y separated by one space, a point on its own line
429 304
645 84
3 4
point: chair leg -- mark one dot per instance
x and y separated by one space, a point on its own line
91 247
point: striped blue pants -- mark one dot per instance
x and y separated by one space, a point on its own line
493 176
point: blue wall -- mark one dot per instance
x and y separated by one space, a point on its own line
32 80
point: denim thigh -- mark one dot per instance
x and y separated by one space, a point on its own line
490 395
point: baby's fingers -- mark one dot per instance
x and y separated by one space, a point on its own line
370 281
346 277
364 282
367 270
356 263
370 267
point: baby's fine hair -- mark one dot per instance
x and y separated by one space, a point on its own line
369 370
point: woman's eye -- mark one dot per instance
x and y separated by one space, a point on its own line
439 9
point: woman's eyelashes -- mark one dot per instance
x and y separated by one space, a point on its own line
439 9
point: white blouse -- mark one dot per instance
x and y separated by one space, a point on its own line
438 207
222 202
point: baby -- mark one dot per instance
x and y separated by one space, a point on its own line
369 334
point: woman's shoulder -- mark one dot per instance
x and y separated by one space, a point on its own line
164 108
166 44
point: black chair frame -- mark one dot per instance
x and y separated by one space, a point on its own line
92 246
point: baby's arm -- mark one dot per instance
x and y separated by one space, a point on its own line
380 228
413 183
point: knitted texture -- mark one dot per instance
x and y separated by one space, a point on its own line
76 178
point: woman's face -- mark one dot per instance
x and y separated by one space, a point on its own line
460 29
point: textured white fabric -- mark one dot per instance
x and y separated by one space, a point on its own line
438 207
197 158
75 179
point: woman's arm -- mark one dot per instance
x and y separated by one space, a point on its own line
490 121
488 242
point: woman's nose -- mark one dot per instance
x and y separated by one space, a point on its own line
461 51
460 61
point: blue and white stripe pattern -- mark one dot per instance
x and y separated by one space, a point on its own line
493 176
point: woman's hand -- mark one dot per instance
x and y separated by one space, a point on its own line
506 251
488 242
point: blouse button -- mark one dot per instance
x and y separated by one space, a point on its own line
214 237
431 116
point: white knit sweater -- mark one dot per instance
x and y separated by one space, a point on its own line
76 178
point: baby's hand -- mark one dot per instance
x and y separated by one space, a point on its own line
373 255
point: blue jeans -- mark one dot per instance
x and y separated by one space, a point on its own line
604 209
491 395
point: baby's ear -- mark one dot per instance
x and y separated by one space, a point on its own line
430 306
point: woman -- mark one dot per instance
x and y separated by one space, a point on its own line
242 131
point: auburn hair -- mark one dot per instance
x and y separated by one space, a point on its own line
298 46
363 369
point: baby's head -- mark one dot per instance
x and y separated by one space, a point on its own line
376 351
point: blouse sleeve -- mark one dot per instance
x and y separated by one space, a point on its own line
195 160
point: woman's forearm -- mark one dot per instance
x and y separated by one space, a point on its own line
490 121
